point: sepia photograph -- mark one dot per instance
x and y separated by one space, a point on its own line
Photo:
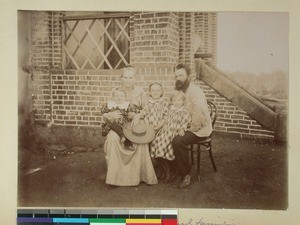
153 109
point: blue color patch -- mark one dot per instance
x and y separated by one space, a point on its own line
70 220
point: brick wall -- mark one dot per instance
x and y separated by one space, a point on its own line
233 119
158 41
155 47
187 27
206 27
46 54
75 97
41 96
46 33
78 95
155 39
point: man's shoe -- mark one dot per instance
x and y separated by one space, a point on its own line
186 181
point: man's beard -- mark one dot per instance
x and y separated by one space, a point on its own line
182 85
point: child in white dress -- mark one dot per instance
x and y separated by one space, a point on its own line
124 109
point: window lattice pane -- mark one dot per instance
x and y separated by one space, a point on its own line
96 43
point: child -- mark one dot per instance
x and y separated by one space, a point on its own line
156 109
176 123
122 108
154 114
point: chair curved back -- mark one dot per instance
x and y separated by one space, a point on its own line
213 112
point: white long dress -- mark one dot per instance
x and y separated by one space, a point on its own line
127 168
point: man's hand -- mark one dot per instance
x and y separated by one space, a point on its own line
181 132
193 129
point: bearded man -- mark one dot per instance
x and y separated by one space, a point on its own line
200 128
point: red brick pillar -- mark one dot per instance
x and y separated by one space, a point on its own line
206 28
155 47
186 28
46 32
45 55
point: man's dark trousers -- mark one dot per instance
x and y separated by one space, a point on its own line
181 145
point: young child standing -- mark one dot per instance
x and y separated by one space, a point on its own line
124 111
154 114
156 109
176 123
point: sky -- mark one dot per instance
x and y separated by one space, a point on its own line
252 42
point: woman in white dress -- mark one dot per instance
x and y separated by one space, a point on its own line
128 168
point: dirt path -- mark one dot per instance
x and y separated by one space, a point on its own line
251 175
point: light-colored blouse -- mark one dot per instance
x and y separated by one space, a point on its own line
136 96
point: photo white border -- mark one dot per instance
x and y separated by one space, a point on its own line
9 97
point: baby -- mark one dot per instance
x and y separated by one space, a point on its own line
116 113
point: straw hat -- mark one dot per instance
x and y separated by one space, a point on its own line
141 133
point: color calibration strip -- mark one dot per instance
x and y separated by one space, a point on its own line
96 217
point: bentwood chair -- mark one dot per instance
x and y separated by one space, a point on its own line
205 145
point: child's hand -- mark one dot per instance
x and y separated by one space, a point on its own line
115 115
181 132
131 115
